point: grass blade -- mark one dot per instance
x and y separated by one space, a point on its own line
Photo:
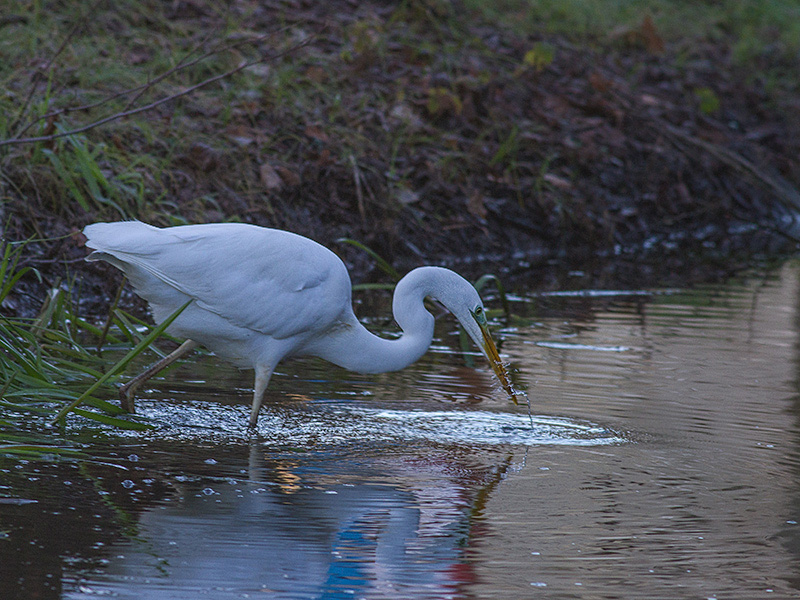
37 450
107 420
382 263
490 278
110 319
138 349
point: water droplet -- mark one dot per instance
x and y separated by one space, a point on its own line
208 491
210 461
128 484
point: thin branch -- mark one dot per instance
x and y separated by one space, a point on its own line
143 87
139 90
123 114
783 189
181 65
359 192
70 34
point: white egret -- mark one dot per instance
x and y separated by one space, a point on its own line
260 295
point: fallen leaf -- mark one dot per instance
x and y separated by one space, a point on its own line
404 113
652 41
442 101
476 206
316 74
203 157
406 196
539 57
139 54
269 177
644 35
315 132
557 182
600 82
324 158
289 177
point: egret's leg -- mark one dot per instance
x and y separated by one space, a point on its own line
263 373
128 391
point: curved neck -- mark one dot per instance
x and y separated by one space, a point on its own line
354 347
365 352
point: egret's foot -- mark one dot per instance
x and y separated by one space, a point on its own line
126 397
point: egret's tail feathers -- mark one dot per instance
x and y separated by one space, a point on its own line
122 236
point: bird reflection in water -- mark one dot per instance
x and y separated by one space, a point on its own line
326 525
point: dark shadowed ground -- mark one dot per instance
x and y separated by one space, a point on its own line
429 131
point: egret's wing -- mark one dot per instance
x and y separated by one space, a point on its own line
266 280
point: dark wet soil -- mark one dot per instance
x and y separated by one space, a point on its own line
627 147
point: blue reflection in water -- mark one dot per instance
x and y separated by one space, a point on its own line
327 502
311 527
347 571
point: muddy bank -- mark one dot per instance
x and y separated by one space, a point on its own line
434 136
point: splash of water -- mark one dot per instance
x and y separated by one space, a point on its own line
344 424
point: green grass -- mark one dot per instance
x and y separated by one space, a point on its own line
64 67
753 28
50 366
761 39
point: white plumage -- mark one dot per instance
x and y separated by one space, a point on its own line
261 295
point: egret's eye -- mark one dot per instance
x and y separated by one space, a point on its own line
478 314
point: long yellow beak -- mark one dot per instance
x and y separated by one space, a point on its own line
490 350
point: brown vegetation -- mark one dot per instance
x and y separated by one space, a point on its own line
419 128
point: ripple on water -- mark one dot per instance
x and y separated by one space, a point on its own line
348 424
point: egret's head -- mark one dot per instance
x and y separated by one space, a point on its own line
478 329
461 298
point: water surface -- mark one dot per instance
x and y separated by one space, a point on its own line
660 461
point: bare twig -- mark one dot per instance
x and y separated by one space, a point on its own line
139 88
359 193
70 34
127 113
783 189
181 65
110 318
